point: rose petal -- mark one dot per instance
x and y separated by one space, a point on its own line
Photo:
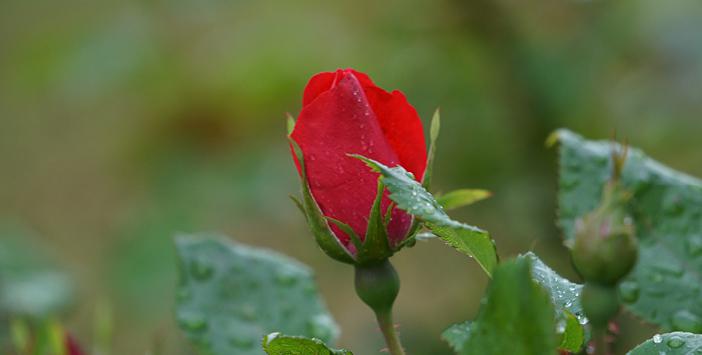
340 121
401 126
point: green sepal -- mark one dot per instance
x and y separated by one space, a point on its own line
290 120
433 135
355 239
461 198
376 246
299 205
316 221
434 128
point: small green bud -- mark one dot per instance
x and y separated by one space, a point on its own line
600 303
605 247
377 285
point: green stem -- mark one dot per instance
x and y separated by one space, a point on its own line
600 338
387 326
377 286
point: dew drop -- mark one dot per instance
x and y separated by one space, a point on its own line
248 313
183 294
200 270
285 278
269 338
629 291
694 245
656 277
675 342
193 322
657 338
674 269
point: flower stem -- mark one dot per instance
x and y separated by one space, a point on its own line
600 338
388 328
377 286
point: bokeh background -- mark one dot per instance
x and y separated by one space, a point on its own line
125 122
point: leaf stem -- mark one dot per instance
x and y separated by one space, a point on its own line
387 326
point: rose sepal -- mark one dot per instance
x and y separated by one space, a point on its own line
316 221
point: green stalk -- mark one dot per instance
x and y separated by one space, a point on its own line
387 326
600 338
377 285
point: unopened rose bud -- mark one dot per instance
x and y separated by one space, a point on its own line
605 248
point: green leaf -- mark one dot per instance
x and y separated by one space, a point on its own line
278 344
571 330
517 317
231 295
663 288
410 196
457 335
460 198
565 296
676 343
433 136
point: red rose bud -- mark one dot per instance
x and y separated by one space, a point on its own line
344 113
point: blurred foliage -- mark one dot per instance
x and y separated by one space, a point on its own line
124 122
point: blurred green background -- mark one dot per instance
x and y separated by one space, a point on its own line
125 122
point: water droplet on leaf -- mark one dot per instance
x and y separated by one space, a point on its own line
629 291
201 271
193 322
285 278
657 338
694 245
248 312
675 342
